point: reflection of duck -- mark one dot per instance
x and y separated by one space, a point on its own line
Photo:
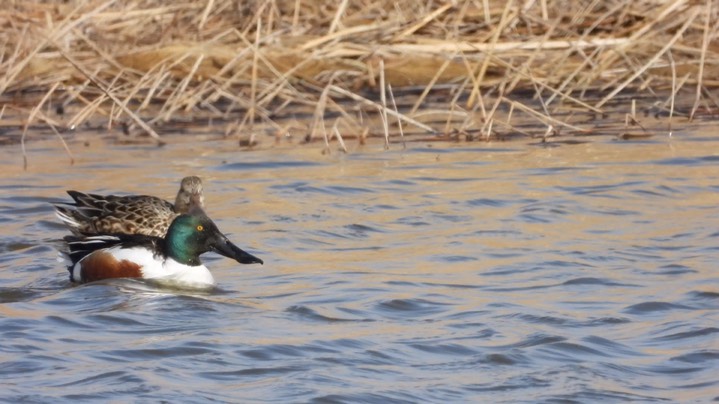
135 214
174 259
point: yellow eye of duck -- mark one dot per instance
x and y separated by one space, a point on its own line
200 228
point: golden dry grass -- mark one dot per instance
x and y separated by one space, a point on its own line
475 69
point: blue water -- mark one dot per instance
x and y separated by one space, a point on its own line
437 273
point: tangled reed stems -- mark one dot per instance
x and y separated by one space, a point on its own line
326 70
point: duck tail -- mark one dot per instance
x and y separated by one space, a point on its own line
72 218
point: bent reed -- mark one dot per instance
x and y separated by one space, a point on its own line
269 70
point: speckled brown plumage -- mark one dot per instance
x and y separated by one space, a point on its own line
136 214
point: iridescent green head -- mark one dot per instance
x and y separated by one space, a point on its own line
191 235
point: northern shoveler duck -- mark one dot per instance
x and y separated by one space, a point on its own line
93 214
174 259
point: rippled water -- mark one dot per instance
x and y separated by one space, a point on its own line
502 272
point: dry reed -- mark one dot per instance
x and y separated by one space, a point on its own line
475 69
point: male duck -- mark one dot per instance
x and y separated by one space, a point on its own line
136 214
174 259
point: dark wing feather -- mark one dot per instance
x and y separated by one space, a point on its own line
80 247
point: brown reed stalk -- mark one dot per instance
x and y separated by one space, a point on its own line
114 99
336 132
29 120
702 58
399 121
270 60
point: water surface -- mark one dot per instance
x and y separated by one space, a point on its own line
484 272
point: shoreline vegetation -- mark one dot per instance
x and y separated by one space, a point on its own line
329 71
